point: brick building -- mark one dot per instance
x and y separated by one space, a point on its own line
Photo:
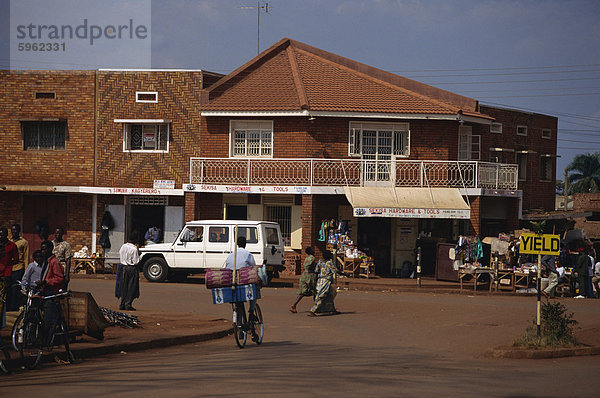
296 135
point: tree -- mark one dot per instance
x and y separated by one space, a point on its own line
584 176
560 187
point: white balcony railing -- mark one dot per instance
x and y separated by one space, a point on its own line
353 172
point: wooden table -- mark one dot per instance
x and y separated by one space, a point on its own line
87 264
524 279
475 276
506 274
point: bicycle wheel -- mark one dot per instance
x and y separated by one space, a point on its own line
4 358
258 325
17 326
62 333
30 349
239 329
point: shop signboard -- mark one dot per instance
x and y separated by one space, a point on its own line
411 213
540 244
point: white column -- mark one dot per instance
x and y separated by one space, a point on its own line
94 220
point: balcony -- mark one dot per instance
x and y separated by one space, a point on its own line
353 173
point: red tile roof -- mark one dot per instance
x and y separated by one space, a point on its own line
293 76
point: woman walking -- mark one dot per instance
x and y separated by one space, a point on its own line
308 280
325 294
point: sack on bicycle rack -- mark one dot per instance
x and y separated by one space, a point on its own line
218 278
248 276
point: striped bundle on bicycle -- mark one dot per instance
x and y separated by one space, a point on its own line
223 277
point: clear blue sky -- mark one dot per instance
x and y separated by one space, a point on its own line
542 56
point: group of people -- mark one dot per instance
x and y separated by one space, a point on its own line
47 273
316 281
586 272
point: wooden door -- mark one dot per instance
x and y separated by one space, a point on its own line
43 210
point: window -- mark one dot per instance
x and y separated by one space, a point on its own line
146 137
546 133
44 135
272 236
218 234
251 138
44 95
545 168
283 216
469 145
496 128
521 130
522 165
192 234
250 233
379 141
146 96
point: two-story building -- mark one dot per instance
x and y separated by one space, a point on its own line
297 135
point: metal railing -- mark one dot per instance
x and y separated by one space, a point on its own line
353 172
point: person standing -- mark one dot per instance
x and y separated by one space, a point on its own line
9 256
52 281
33 273
308 280
549 262
596 278
324 299
582 270
130 279
63 253
16 299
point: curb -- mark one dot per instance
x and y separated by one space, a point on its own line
161 342
542 354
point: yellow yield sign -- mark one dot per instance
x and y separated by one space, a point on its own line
540 244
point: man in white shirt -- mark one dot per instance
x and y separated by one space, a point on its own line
596 278
130 281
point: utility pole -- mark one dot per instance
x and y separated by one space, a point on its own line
266 7
566 189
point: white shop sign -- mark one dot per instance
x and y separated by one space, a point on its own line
410 213
285 189
164 184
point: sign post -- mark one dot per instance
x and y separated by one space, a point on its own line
539 244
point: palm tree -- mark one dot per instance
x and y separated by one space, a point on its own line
585 173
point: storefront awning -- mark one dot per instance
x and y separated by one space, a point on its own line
407 202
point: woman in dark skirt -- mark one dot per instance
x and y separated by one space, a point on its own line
308 279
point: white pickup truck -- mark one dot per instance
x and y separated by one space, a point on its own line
207 243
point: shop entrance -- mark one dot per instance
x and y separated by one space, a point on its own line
374 238
236 212
144 217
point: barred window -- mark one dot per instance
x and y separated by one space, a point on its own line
147 137
383 139
283 216
251 138
44 135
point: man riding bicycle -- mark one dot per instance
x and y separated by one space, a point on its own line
243 258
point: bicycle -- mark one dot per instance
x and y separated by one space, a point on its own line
242 326
5 358
29 335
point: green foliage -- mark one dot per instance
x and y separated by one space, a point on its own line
585 173
556 329
538 227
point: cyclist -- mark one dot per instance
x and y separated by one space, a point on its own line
52 280
243 259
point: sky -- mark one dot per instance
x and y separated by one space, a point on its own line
539 56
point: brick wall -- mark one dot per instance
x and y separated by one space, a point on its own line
178 101
537 194
203 206
475 226
10 211
79 221
74 102
586 202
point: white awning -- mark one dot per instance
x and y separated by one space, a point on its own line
407 202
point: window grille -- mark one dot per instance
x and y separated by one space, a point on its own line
148 200
283 216
44 135
251 138
146 137
41 95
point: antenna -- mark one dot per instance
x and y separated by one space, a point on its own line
266 7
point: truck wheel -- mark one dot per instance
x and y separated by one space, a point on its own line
156 270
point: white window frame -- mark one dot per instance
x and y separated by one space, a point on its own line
469 144
524 128
546 134
137 97
400 134
496 128
263 127
127 137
